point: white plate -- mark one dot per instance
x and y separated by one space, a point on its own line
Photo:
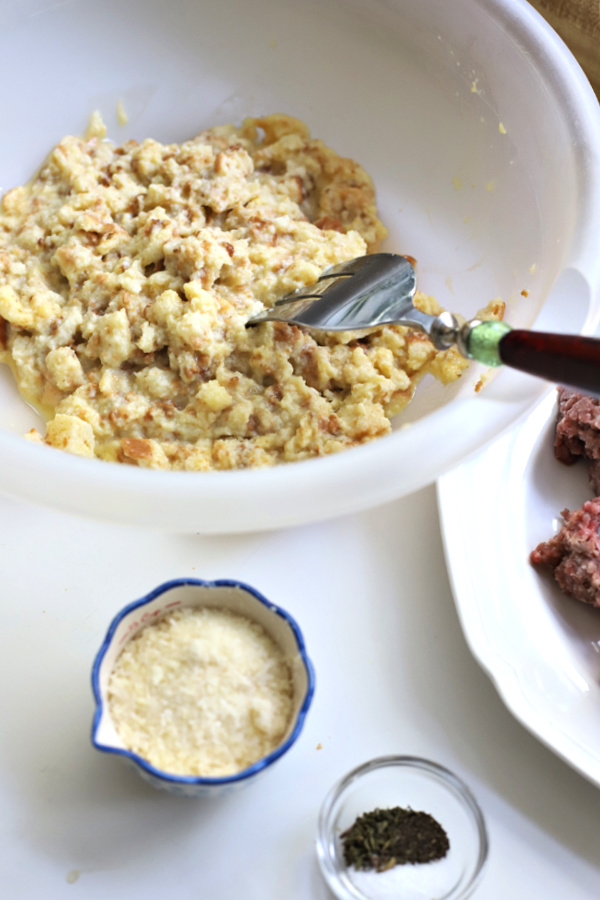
541 648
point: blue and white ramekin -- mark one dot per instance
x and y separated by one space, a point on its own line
224 594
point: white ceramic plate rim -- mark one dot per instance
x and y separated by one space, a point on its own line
483 571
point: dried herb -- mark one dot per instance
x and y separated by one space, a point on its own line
385 838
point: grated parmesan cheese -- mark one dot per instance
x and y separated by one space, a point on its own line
201 692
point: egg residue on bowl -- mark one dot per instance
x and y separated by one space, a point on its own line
127 277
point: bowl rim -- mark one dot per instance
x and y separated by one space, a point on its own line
169 778
442 775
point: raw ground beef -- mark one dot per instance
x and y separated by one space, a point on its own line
594 473
577 427
574 553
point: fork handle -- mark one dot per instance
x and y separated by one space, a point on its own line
567 359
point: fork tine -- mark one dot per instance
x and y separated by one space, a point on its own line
315 290
360 293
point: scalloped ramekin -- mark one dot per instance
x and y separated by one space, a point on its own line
237 597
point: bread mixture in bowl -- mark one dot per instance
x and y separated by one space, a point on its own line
127 276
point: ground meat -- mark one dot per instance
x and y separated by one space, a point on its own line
578 432
594 473
574 553
577 427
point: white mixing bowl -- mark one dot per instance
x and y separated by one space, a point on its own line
482 136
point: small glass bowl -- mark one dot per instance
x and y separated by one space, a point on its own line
404 781
236 597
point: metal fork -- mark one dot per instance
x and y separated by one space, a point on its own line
377 290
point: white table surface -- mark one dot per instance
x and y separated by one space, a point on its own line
394 675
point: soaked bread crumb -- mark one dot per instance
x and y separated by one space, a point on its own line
127 276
